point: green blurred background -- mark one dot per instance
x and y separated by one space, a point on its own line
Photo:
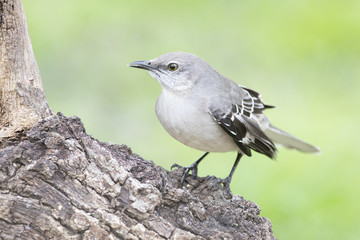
303 56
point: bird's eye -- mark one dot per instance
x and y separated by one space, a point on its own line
172 66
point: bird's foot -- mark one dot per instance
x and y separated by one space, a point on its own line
193 168
225 182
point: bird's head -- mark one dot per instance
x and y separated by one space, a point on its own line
176 71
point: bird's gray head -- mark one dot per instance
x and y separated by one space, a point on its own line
176 71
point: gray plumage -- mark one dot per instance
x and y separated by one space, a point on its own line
207 111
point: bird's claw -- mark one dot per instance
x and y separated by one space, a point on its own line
175 165
225 182
193 168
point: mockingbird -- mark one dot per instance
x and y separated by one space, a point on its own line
207 111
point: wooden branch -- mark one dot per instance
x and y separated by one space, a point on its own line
22 99
58 182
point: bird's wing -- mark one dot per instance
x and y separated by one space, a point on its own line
253 101
240 123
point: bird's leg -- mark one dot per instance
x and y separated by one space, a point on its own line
226 181
193 168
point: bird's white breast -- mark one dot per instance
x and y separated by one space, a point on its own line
189 122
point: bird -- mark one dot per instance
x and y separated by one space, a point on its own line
207 111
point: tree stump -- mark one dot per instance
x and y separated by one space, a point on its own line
57 182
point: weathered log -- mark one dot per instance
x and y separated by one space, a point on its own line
58 182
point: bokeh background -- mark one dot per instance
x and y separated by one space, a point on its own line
302 55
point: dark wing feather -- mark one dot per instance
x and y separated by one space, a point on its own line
239 125
253 103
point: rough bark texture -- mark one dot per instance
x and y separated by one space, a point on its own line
57 182
22 99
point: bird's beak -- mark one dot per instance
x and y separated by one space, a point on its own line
142 64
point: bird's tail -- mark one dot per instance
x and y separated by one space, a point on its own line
288 141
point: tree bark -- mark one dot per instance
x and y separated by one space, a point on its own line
57 182
22 99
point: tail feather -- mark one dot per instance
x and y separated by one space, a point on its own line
288 141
